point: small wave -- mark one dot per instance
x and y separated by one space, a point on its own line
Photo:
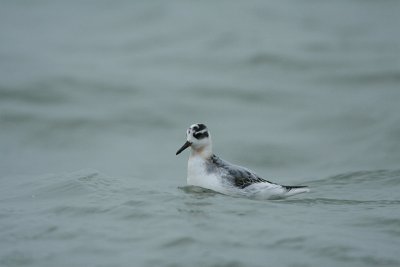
278 60
332 201
197 190
17 258
381 177
345 253
289 242
40 94
376 187
80 210
367 78
179 242
66 186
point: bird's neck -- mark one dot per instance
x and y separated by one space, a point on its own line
204 152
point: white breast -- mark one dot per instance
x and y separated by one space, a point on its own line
198 176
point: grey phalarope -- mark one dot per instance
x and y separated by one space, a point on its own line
208 171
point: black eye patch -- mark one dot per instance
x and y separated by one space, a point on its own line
200 135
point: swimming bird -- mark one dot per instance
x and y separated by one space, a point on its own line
207 170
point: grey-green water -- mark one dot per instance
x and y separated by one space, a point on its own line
95 98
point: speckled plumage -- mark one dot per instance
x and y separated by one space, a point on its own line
237 176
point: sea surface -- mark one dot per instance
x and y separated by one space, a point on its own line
96 96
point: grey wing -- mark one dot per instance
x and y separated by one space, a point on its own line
238 176
241 177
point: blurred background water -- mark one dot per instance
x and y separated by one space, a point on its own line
95 98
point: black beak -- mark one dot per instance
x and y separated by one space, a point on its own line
186 145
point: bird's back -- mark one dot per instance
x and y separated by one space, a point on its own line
248 182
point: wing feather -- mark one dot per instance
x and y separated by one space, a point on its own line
237 175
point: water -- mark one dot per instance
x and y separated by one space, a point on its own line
95 98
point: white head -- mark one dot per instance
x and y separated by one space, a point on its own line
198 139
